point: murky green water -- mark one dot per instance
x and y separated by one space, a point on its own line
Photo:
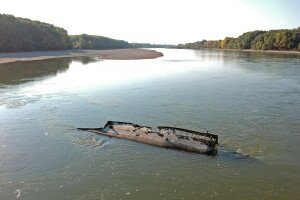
251 100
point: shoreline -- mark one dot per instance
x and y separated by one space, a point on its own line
252 51
112 54
272 51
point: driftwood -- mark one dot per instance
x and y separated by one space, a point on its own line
165 136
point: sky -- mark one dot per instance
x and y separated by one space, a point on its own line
159 21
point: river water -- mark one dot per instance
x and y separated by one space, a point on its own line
251 100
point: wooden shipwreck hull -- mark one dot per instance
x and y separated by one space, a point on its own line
165 136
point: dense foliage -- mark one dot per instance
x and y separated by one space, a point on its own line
97 42
19 34
283 39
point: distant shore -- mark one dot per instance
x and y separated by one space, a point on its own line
115 54
252 50
272 51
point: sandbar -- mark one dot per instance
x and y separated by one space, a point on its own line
115 54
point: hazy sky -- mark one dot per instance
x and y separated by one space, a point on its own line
159 21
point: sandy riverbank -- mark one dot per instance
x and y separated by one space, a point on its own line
116 54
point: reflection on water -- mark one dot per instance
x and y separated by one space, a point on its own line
271 63
20 72
250 100
20 81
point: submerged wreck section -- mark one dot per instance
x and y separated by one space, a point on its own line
164 136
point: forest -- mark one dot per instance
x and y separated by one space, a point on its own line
85 41
20 34
282 40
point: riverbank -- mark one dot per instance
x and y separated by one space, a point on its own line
271 51
115 54
253 51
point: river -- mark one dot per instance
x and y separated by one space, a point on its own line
251 100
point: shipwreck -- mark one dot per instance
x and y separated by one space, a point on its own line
163 136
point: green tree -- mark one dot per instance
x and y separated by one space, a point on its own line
284 39
85 41
244 40
19 34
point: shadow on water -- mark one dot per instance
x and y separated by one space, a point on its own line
16 73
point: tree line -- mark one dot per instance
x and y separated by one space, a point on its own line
283 39
85 41
20 34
